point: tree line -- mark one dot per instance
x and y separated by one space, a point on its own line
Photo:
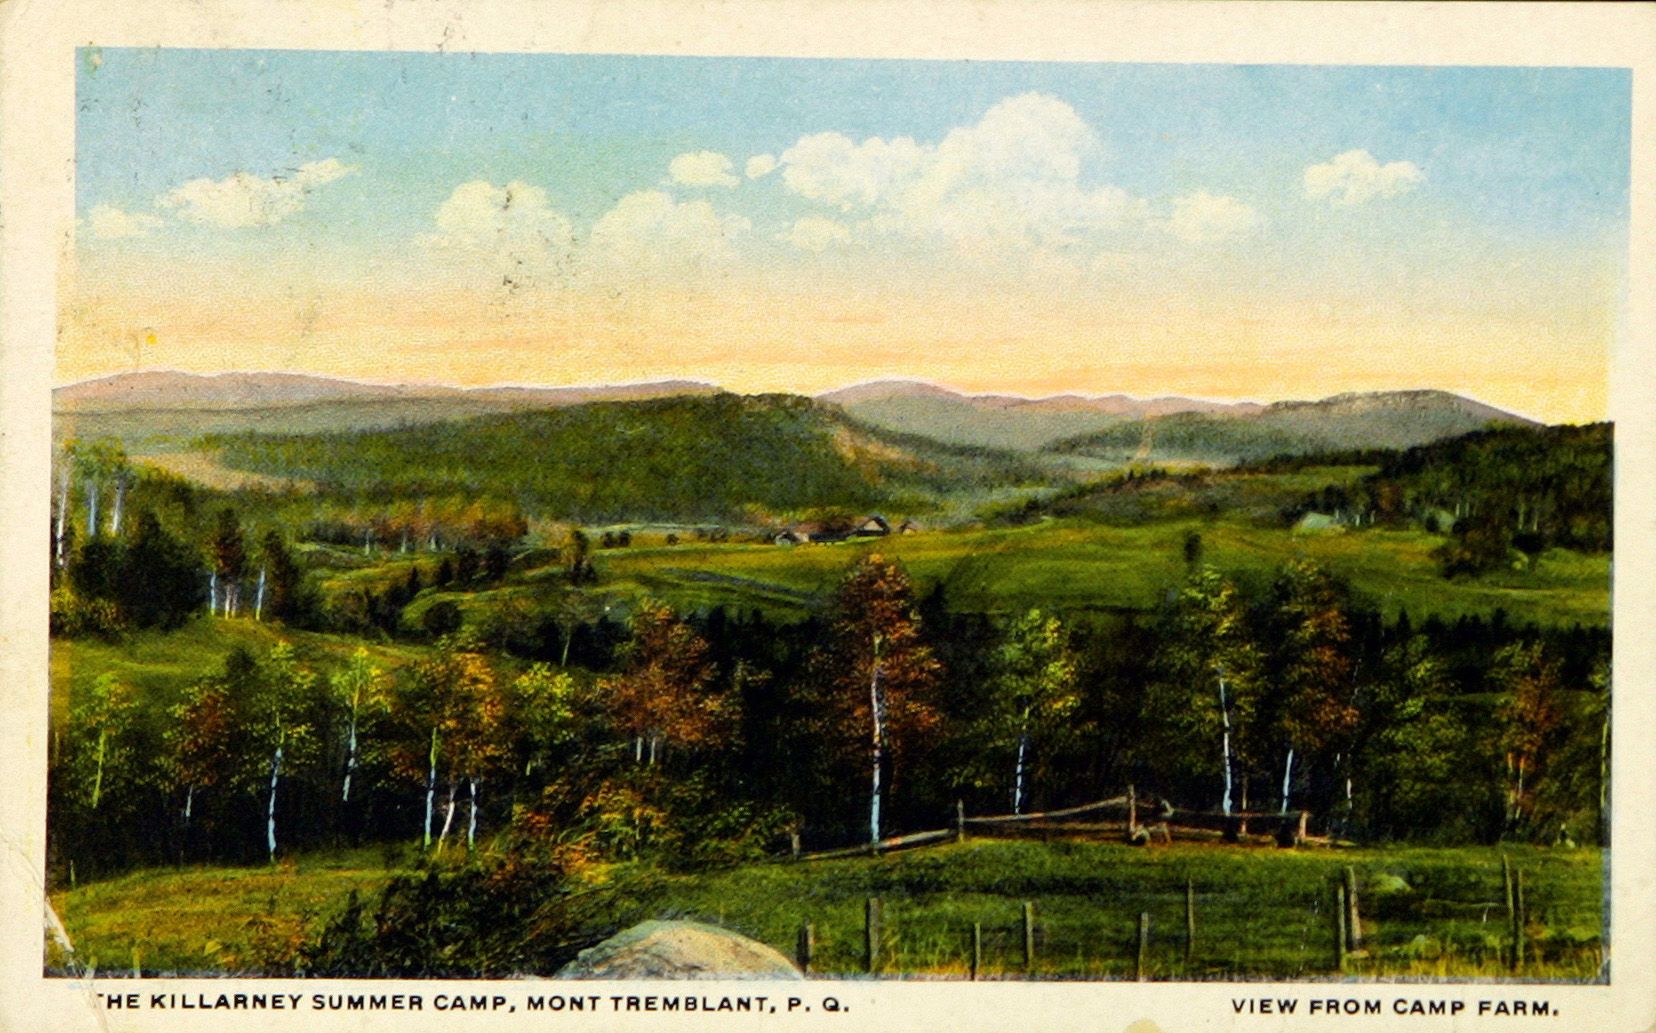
1498 494
712 737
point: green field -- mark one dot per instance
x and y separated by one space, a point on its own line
211 918
1070 565
1260 912
160 664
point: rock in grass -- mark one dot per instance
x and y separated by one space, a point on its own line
1385 884
679 950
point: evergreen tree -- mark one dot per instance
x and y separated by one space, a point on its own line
229 554
161 578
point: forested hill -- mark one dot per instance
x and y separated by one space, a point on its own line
721 457
1524 488
1391 419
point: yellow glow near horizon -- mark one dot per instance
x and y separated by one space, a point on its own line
1549 364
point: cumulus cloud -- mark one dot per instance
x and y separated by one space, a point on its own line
830 167
1356 177
649 232
511 230
760 166
702 169
1013 180
244 200
1202 218
815 233
110 223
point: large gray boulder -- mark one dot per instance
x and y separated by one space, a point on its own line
679 950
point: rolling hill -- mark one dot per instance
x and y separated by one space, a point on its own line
720 457
1002 421
162 411
1389 419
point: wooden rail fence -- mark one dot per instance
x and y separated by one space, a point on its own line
879 934
1116 817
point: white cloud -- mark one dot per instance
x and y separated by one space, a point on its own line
1356 177
510 230
110 223
243 199
815 233
760 166
830 167
1202 217
648 232
1013 180
702 169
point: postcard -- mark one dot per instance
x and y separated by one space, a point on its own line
888 516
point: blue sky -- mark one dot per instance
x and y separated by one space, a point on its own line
1506 145
1196 176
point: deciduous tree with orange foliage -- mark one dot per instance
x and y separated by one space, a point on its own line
1529 718
877 675
1313 668
664 694
457 710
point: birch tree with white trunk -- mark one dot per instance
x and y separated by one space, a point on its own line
1034 695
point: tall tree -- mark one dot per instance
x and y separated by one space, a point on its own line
278 726
544 704
1312 668
433 705
200 741
102 715
1035 691
160 582
1398 750
68 462
279 580
357 690
92 460
481 744
877 672
119 470
1530 714
1210 679
664 691
229 553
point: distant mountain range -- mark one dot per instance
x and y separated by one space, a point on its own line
1385 419
1004 421
166 389
147 410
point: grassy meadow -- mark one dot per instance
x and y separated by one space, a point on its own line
1261 912
1072 564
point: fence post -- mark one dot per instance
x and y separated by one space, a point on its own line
1305 817
1190 919
1339 925
977 949
960 821
793 843
1029 936
1511 909
1132 811
871 934
1354 920
1143 942
806 947
1518 919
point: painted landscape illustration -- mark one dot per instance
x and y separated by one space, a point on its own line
613 515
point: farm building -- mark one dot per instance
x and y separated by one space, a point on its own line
823 532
